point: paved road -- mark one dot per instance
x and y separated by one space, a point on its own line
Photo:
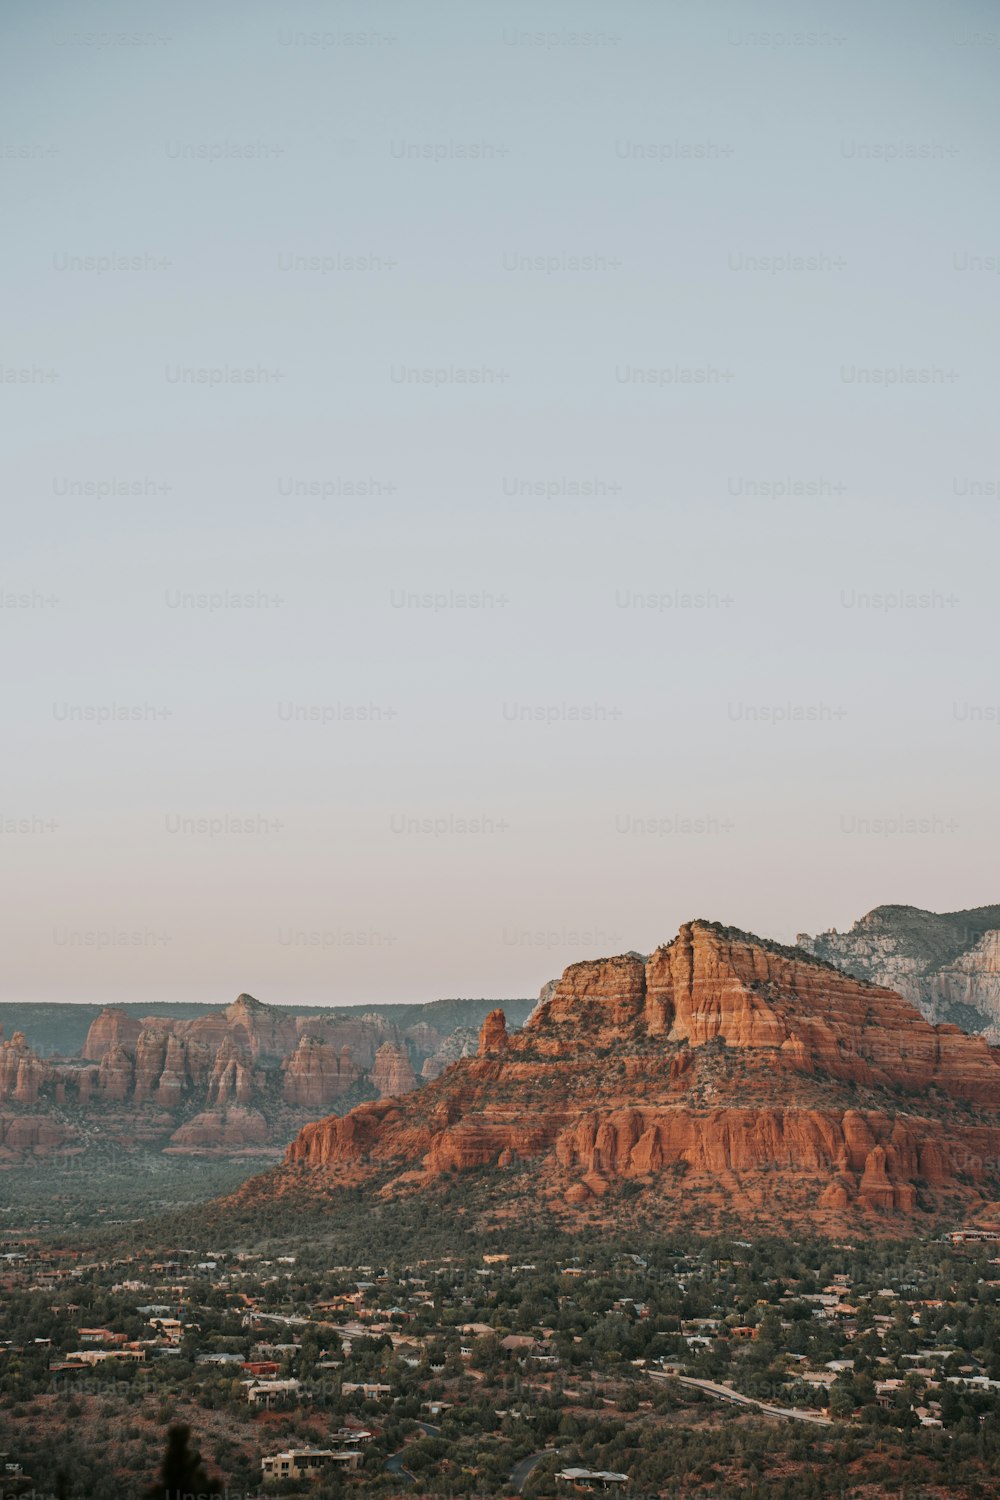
262 1317
521 1471
724 1393
396 1465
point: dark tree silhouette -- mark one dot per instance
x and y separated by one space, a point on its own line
183 1475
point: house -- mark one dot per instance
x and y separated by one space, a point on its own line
98 1356
592 1478
518 1343
350 1436
265 1393
170 1328
370 1389
299 1463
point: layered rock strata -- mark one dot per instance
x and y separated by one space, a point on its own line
721 1071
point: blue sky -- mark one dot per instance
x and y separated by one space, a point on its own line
605 534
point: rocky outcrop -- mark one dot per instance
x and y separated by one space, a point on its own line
174 1078
145 1079
21 1072
11 1055
269 1030
26 1135
318 1073
363 1035
723 1075
231 1080
116 1075
493 1033
228 1130
392 1072
114 1027
463 1042
72 1084
968 987
945 963
149 1057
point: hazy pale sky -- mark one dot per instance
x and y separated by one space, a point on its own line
486 484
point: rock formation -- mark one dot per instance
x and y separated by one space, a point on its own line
947 963
114 1027
318 1073
116 1075
205 1083
722 1075
493 1033
21 1072
462 1043
392 1073
229 1130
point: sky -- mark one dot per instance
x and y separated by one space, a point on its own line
486 485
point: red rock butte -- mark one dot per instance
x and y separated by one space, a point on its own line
721 1075
229 1082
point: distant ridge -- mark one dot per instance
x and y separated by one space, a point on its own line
946 963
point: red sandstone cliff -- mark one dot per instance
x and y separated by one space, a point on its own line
722 1074
114 1027
21 1072
318 1073
392 1072
205 1083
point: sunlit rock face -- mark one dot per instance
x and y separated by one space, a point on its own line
754 1076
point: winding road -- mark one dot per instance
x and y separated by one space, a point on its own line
396 1465
724 1393
525 1467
